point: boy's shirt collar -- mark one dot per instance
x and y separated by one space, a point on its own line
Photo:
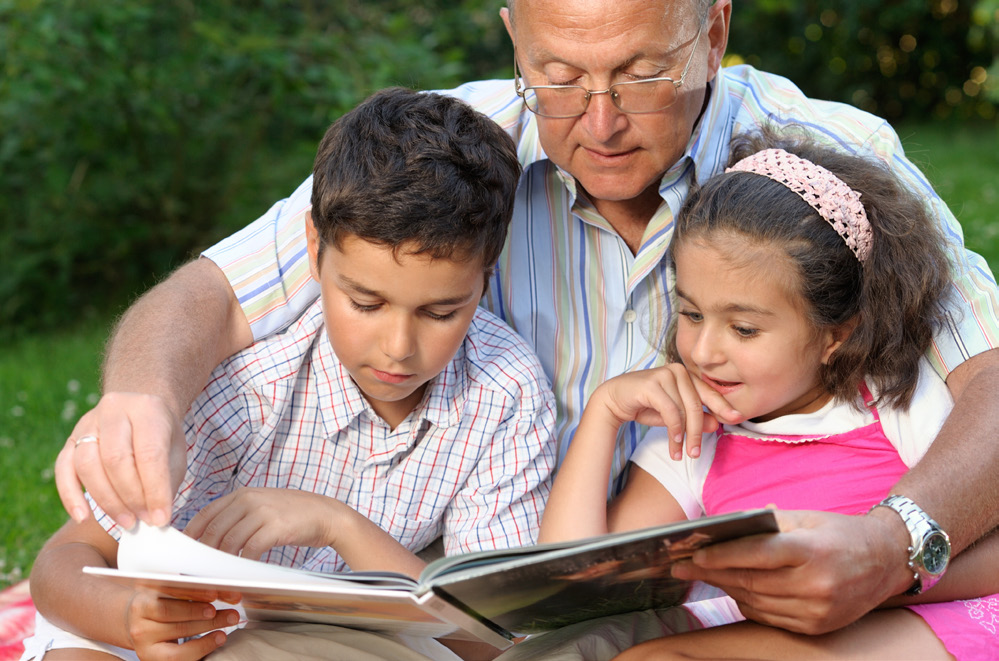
343 401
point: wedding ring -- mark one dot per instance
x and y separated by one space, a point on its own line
89 438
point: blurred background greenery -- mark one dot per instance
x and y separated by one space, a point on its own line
135 133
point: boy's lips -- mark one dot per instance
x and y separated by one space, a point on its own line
390 377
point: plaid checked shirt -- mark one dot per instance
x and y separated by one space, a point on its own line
473 461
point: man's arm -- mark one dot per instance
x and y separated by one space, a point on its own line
823 571
157 361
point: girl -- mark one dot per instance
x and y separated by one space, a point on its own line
809 284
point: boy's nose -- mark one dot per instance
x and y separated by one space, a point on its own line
399 342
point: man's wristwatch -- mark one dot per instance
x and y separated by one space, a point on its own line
929 548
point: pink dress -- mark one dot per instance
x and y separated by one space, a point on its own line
845 473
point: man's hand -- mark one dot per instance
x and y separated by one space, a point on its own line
820 573
155 623
134 467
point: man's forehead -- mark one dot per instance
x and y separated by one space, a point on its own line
524 10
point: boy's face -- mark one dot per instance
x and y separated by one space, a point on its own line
395 320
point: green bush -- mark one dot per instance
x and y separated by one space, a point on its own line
901 59
137 132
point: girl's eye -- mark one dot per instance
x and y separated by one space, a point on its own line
692 316
746 332
364 308
440 317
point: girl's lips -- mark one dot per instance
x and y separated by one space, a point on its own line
721 386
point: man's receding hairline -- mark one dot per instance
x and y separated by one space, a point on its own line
702 7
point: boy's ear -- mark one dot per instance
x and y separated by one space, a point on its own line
837 336
312 240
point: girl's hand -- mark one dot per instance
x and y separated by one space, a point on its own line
668 397
251 521
155 622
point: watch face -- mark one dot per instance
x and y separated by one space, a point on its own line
936 553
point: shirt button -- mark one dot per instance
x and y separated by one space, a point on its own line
630 316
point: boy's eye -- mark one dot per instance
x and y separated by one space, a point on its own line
440 317
745 332
360 307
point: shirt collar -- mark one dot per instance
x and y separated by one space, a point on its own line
342 401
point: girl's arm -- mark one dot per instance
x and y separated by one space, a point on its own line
99 609
577 506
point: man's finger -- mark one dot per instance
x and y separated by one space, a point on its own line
89 468
69 487
152 444
117 456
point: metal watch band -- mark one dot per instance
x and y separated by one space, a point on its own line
921 528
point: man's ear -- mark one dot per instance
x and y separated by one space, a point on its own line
312 241
837 336
505 15
718 22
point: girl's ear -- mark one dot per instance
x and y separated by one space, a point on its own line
312 240
837 336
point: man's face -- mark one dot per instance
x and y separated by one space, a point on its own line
616 157
394 319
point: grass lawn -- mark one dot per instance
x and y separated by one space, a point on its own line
47 382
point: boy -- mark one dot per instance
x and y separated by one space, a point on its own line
394 410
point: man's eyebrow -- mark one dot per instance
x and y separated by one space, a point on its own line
731 307
355 286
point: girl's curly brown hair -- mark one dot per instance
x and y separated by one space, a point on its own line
896 297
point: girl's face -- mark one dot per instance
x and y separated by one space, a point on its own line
743 329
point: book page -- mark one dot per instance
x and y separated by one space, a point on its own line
147 549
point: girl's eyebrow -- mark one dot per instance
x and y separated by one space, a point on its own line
732 307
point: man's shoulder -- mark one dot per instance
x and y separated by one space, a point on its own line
758 96
276 358
496 358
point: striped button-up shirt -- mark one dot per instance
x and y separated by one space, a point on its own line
472 462
570 285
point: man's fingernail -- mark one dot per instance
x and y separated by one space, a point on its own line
126 521
160 517
80 514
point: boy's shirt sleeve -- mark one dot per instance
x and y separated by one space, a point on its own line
501 503
267 264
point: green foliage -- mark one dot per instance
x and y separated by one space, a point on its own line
137 132
901 59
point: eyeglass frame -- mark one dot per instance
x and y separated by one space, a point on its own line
522 91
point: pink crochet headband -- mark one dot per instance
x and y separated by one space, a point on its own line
829 195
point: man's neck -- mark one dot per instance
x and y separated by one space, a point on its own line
630 218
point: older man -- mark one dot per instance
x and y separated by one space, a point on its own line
618 106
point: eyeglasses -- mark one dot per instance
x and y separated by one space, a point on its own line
632 97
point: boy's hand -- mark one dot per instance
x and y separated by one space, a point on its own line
669 397
155 623
251 521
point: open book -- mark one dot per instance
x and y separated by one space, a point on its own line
491 595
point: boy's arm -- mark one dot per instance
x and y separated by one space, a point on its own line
96 608
252 520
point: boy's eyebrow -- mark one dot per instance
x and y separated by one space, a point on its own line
732 307
361 289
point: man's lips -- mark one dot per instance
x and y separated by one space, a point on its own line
609 158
